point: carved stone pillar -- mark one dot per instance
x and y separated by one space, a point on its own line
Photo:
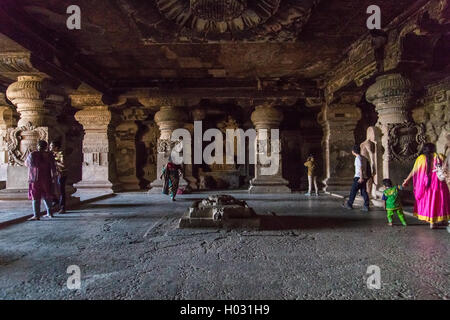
339 122
126 147
99 148
7 120
267 117
150 141
189 168
401 138
38 101
168 118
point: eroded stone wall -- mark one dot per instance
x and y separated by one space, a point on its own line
436 114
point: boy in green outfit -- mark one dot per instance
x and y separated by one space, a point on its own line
393 204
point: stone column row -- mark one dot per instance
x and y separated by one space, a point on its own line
38 102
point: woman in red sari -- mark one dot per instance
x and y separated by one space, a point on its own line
432 195
41 173
171 174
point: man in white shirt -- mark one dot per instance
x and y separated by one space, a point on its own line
360 180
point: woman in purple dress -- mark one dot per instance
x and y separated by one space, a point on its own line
41 173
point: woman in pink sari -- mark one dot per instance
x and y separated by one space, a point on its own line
41 173
432 195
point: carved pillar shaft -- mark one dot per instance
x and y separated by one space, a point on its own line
189 168
168 118
265 118
401 137
338 122
125 134
150 141
99 164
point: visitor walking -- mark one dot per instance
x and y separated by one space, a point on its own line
55 148
359 180
310 164
432 194
393 204
171 173
41 172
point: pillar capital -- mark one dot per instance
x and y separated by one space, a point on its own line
391 94
198 114
169 118
266 116
37 100
95 118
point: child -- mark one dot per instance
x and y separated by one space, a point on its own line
393 203
311 165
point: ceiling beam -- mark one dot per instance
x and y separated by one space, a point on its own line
49 53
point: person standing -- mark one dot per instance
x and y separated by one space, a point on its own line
432 195
55 148
359 180
393 203
41 173
171 173
311 165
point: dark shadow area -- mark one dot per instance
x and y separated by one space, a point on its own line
273 223
115 205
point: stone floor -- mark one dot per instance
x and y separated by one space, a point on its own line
129 247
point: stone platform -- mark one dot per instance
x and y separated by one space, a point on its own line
220 211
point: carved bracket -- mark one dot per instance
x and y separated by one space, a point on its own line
406 140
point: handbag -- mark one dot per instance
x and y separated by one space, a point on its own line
440 174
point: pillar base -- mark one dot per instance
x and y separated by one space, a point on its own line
14 194
131 185
338 184
262 185
102 187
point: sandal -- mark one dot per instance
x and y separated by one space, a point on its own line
33 218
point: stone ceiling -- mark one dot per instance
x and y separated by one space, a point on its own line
137 43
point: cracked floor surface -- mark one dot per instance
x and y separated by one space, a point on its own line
129 247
